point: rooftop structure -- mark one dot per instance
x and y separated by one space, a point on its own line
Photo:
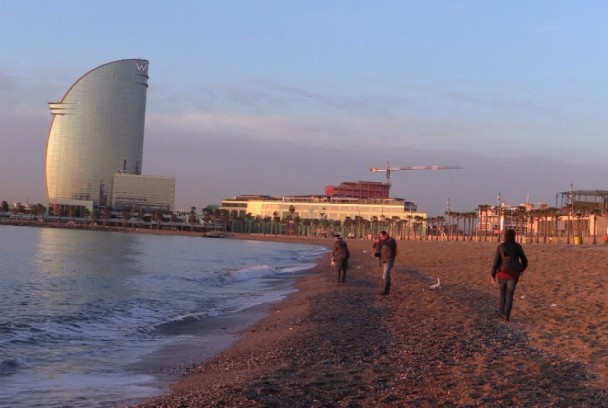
359 189
584 200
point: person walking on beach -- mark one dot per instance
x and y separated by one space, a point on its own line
388 252
510 262
339 257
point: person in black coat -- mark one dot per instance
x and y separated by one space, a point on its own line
339 257
510 262
388 252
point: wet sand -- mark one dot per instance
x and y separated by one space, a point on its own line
344 345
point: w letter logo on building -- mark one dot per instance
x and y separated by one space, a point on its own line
141 67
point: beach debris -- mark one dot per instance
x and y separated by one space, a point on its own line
436 285
553 304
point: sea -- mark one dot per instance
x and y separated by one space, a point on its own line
85 315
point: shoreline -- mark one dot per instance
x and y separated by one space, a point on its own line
331 344
207 338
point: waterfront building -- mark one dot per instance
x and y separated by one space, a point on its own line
365 205
320 207
96 139
349 200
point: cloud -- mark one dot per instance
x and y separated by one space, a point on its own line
273 97
347 133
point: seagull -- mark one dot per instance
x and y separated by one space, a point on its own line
436 285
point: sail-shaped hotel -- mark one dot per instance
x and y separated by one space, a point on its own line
95 144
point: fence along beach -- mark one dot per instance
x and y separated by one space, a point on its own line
342 345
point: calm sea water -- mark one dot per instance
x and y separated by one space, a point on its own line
80 308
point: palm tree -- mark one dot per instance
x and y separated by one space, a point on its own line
409 226
38 210
72 213
458 218
375 229
275 220
348 226
483 215
556 216
57 211
579 225
140 215
292 210
106 216
87 213
450 214
157 217
553 213
126 214
192 217
417 224
595 212
306 222
315 225
324 224
472 217
531 227
395 222
440 226
225 218
519 214
336 226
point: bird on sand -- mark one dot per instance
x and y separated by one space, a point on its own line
436 285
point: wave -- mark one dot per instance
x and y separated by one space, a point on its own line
263 271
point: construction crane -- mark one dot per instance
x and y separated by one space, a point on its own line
390 169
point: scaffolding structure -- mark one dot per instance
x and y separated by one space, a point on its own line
583 200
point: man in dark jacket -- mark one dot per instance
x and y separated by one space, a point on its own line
388 252
339 257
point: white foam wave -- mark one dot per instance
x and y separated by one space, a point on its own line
263 271
185 316
298 268
253 272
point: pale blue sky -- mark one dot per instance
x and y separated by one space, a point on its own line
286 97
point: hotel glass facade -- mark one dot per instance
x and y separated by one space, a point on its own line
97 130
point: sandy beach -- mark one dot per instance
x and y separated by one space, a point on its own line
343 345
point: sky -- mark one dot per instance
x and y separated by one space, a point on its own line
283 97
